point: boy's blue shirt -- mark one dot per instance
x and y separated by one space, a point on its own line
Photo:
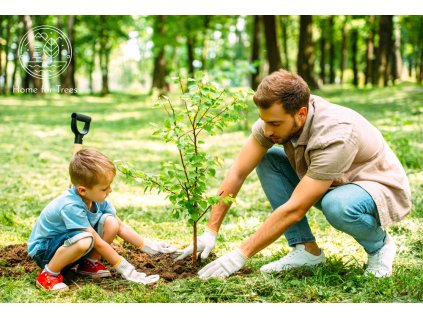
66 213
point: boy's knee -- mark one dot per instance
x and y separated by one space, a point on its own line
84 244
111 225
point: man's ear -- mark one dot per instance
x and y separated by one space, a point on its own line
81 190
302 114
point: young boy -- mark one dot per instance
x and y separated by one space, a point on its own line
79 225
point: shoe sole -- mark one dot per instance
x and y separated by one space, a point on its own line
50 290
101 275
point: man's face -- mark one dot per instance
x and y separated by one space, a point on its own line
99 192
281 126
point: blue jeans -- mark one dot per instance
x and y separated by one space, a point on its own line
348 208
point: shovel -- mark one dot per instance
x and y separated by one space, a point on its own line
77 145
79 135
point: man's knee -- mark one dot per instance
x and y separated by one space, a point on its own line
272 160
338 212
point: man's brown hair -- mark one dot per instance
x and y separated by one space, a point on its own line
283 87
89 167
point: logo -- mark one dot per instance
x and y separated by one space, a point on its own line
45 52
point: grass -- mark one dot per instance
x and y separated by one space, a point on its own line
35 147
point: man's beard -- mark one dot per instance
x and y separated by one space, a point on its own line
295 132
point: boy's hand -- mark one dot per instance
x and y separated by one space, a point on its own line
128 271
155 248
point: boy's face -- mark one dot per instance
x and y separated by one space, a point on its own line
99 192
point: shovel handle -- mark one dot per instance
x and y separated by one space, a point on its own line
80 134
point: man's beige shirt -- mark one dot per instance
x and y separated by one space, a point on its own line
339 144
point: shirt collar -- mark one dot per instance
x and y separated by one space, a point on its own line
305 134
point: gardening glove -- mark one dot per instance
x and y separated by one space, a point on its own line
224 266
128 272
205 243
155 248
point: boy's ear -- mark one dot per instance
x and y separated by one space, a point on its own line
81 190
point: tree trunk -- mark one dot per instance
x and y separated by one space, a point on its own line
1 46
104 56
255 52
273 54
397 59
159 65
323 51
190 55
207 19
70 72
419 72
331 50
284 28
343 49
354 40
31 46
385 44
305 61
370 51
6 51
91 67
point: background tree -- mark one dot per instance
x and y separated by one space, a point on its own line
305 62
272 47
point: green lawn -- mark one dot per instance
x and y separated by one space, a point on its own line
35 147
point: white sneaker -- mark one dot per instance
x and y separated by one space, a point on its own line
380 264
296 258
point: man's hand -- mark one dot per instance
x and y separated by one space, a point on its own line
205 243
155 248
224 266
128 271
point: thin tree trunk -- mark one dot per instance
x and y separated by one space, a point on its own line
255 54
343 49
419 74
273 54
91 67
370 51
397 65
6 63
331 50
70 72
305 61
284 28
385 43
190 55
323 51
31 46
1 48
354 39
159 64
207 19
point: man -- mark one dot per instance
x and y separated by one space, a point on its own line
332 158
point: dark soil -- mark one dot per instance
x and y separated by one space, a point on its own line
14 261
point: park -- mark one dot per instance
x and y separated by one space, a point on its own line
170 99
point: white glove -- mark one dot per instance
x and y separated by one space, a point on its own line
205 243
155 248
224 266
128 271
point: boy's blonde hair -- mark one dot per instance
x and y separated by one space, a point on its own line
89 167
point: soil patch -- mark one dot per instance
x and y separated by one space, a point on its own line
14 261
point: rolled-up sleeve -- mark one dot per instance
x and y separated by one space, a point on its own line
332 161
258 133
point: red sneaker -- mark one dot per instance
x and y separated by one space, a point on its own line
50 282
96 269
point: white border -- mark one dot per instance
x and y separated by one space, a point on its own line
215 7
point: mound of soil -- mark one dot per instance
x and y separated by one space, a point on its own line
14 261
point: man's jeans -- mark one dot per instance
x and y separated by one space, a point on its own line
348 208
